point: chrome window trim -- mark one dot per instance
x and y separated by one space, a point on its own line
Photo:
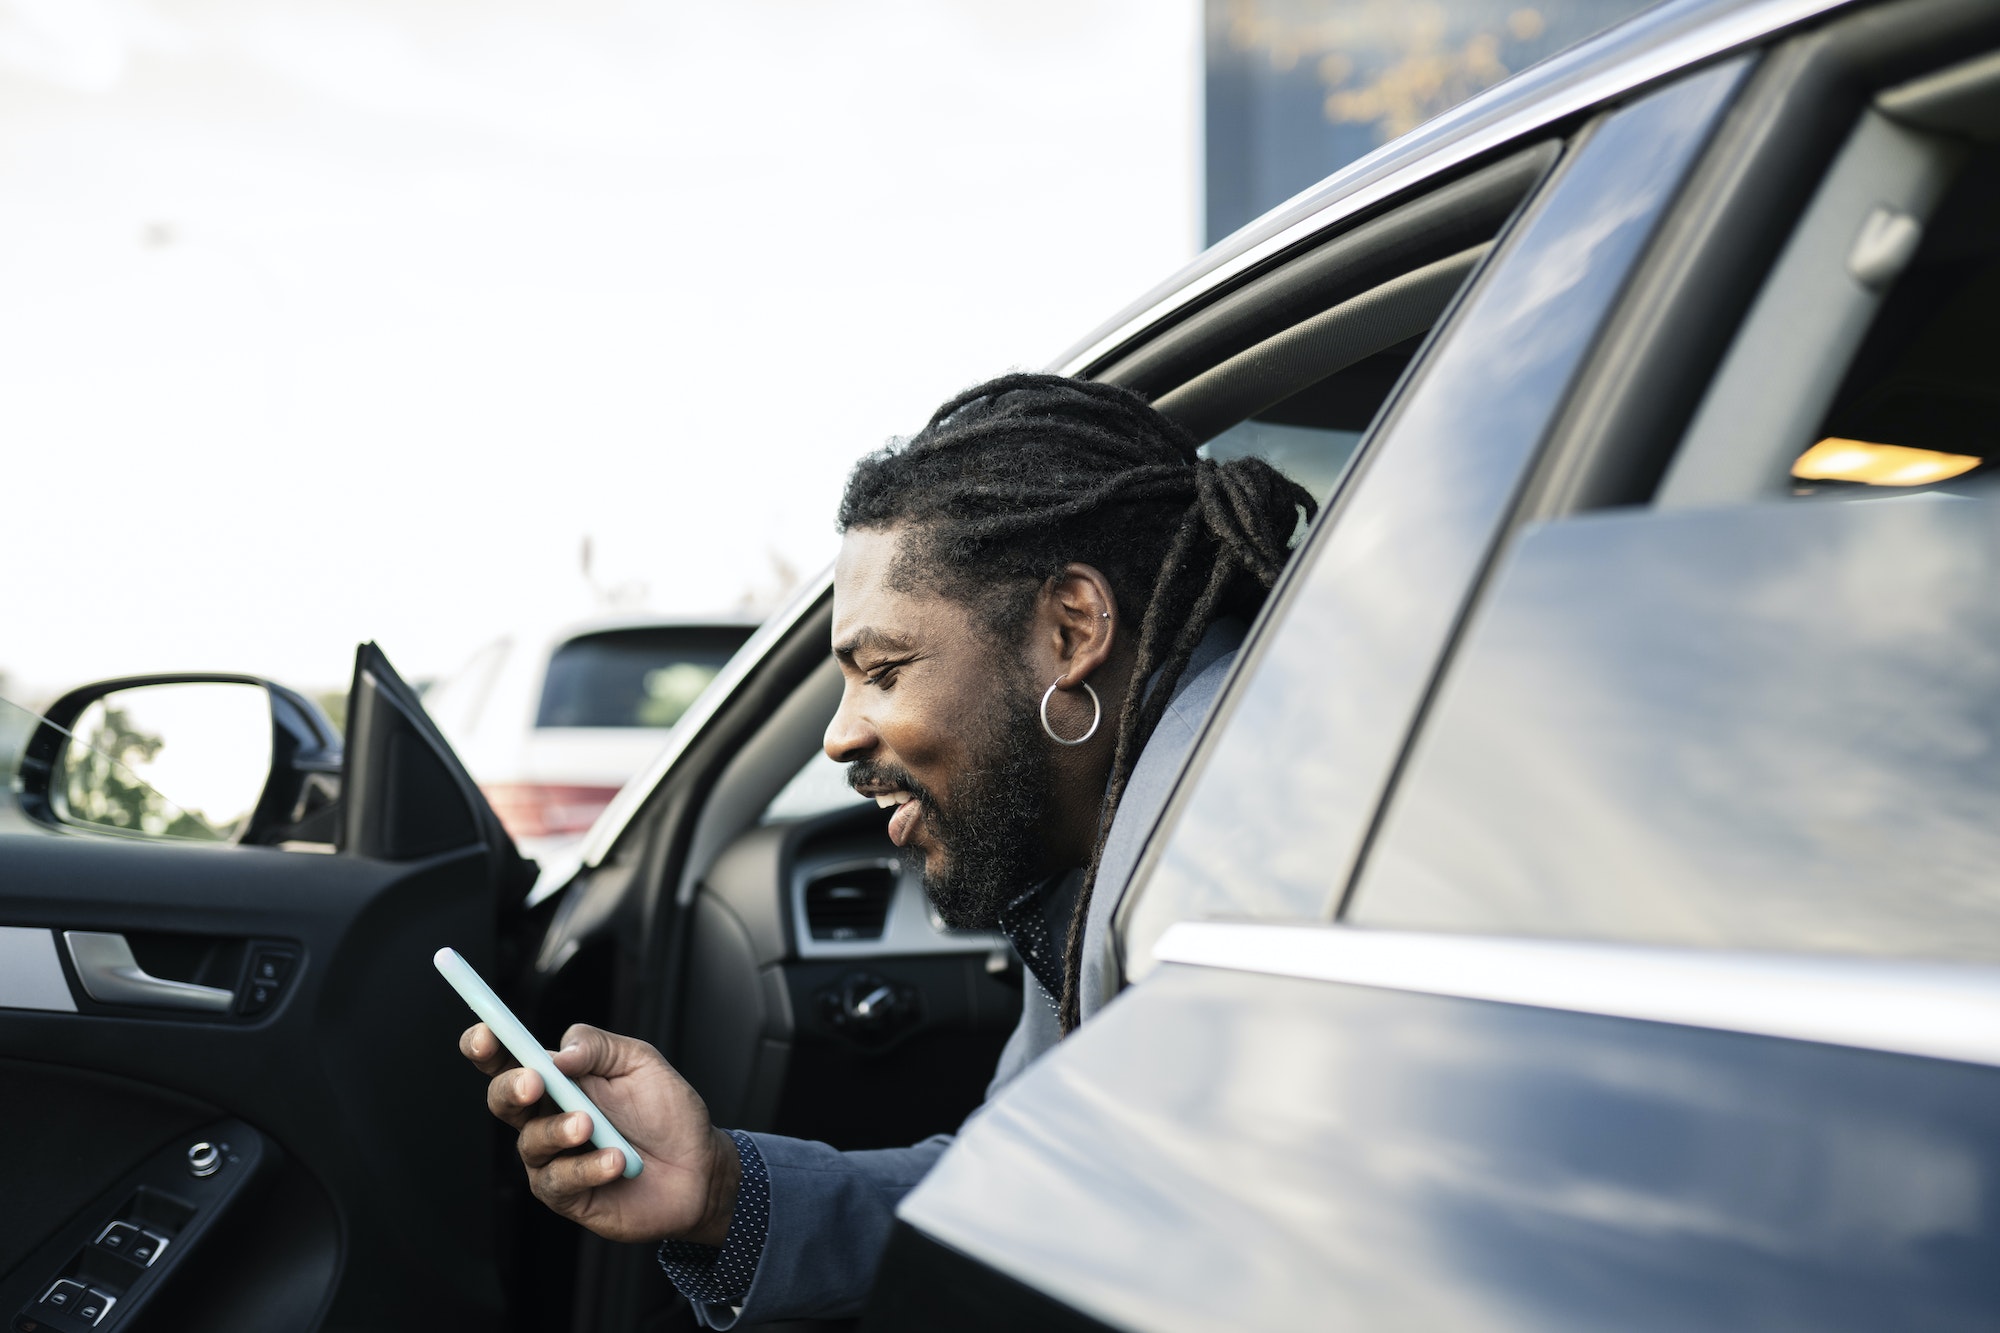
1946 1011
1682 35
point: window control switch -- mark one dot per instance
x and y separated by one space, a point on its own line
64 1295
93 1305
120 1238
136 1243
149 1248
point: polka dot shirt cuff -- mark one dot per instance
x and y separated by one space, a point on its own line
722 1276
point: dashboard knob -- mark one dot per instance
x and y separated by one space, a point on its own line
869 1009
204 1159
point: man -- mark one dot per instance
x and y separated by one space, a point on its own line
1007 579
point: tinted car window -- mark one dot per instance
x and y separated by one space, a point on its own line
1312 436
633 678
1770 724
1277 805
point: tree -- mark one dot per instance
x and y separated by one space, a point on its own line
99 786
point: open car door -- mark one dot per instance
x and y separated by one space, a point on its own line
227 1077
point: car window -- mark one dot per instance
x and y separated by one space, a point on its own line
1314 458
1765 712
633 677
1282 790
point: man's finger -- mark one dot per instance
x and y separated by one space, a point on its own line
544 1140
588 1050
513 1096
478 1044
564 1182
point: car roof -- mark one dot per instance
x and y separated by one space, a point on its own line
1646 48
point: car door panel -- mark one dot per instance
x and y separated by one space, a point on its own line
382 1153
88 1128
353 1070
1230 1148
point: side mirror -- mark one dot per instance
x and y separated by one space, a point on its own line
216 758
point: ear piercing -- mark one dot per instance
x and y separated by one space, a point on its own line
1096 714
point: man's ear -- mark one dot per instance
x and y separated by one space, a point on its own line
1080 621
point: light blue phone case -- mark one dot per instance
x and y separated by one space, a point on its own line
472 988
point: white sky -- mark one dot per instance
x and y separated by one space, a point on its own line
327 321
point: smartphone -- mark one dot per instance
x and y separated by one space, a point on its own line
521 1044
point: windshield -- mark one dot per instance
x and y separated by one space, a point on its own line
95 783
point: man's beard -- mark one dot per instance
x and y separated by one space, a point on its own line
989 837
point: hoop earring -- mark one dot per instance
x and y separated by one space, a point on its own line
1096 714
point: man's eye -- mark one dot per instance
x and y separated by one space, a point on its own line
883 677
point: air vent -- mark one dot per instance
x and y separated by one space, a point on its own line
849 904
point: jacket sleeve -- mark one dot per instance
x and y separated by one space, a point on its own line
830 1217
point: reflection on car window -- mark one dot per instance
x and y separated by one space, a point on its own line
1325 699
633 678
1755 723
1767 727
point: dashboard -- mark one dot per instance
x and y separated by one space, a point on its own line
825 999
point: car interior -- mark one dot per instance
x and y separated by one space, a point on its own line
1865 365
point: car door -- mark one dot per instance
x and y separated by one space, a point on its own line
228 1069
1631 807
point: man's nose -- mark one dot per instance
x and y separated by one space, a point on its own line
848 736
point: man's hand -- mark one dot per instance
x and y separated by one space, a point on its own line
688 1189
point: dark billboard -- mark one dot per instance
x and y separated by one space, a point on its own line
1297 89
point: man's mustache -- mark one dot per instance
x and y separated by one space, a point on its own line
868 777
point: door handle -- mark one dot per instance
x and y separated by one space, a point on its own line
111 975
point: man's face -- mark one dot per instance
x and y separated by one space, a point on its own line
938 721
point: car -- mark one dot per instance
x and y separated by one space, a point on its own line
1578 911
553 722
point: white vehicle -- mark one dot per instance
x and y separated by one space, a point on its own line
552 723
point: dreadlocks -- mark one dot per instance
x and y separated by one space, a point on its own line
1014 479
